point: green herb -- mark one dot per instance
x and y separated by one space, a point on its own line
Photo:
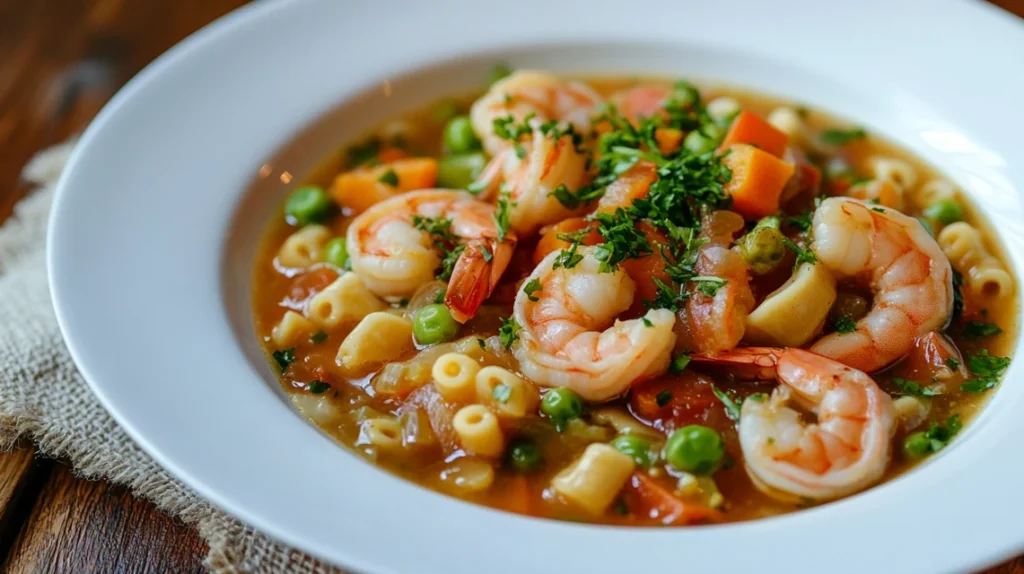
986 369
621 239
389 177
531 287
501 218
439 228
318 337
488 256
284 358
520 151
620 507
508 332
317 387
731 408
482 343
940 435
978 386
451 257
802 255
840 137
981 329
845 324
572 200
363 153
758 397
803 221
403 302
709 285
952 363
958 296
556 131
663 397
569 258
439 298
507 127
501 393
913 388
878 210
647 322
678 364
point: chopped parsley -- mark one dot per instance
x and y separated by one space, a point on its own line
284 358
508 333
569 258
981 329
802 221
482 343
507 127
986 369
531 287
582 196
451 257
317 387
487 255
913 388
731 408
501 218
318 337
678 364
501 393
709 285
647 322
952 363
363 153
663 397
622 240
620 507
439 298
802 255
439 228
958 296
389 177
845 324
938 436
839 137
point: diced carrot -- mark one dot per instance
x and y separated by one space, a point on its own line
750 128
758 179
517 495
648 500
362 187
674 401
550 242
633 184
668 140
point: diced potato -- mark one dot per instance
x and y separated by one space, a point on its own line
795 312
911 411
380 337
344 301
593 481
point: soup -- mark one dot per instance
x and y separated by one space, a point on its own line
633 302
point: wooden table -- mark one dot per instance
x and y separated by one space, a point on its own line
60 60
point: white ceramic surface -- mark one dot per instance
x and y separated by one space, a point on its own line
156 218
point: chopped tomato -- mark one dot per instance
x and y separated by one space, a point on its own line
305 285
645 271
933 356
674 401
648 500
633 184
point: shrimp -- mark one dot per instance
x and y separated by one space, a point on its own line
710 323
910 278
642 101
393 246
547 158
844 452
570 338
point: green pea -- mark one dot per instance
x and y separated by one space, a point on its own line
695 448
458 171
524 455
561 405
336 252
639 449
498 72
917 445
309 204
459 136
434 324
945 211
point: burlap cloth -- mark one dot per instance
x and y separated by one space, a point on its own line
43 398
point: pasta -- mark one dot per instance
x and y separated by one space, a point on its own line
983 273
344 301
593 481
292 328
468 475
893 169
455 377
723 107
886 192
380 337
505 392
787 121
934 191
383 433
317 408
304 247
911 411
794 313
478 431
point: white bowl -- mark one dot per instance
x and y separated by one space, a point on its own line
155 222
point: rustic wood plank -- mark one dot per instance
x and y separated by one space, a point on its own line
90 526
21 478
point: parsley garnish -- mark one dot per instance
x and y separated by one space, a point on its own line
284 358
482 343
952 363
622 240
663 397
958 296
939 435
507 128
501 393
531 287
709 285
802 255
389 177
501 218
981 329
803 221
451 257
845 324
439 298
913 388
508 332
572 200
987 369
731 408
363 153
318 337
647 322
678 364
440 229
840 137
488 256
317 387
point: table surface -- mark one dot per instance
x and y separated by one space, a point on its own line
60 60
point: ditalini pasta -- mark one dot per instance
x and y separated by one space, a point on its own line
622 301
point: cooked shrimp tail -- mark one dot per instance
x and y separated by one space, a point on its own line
476 274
